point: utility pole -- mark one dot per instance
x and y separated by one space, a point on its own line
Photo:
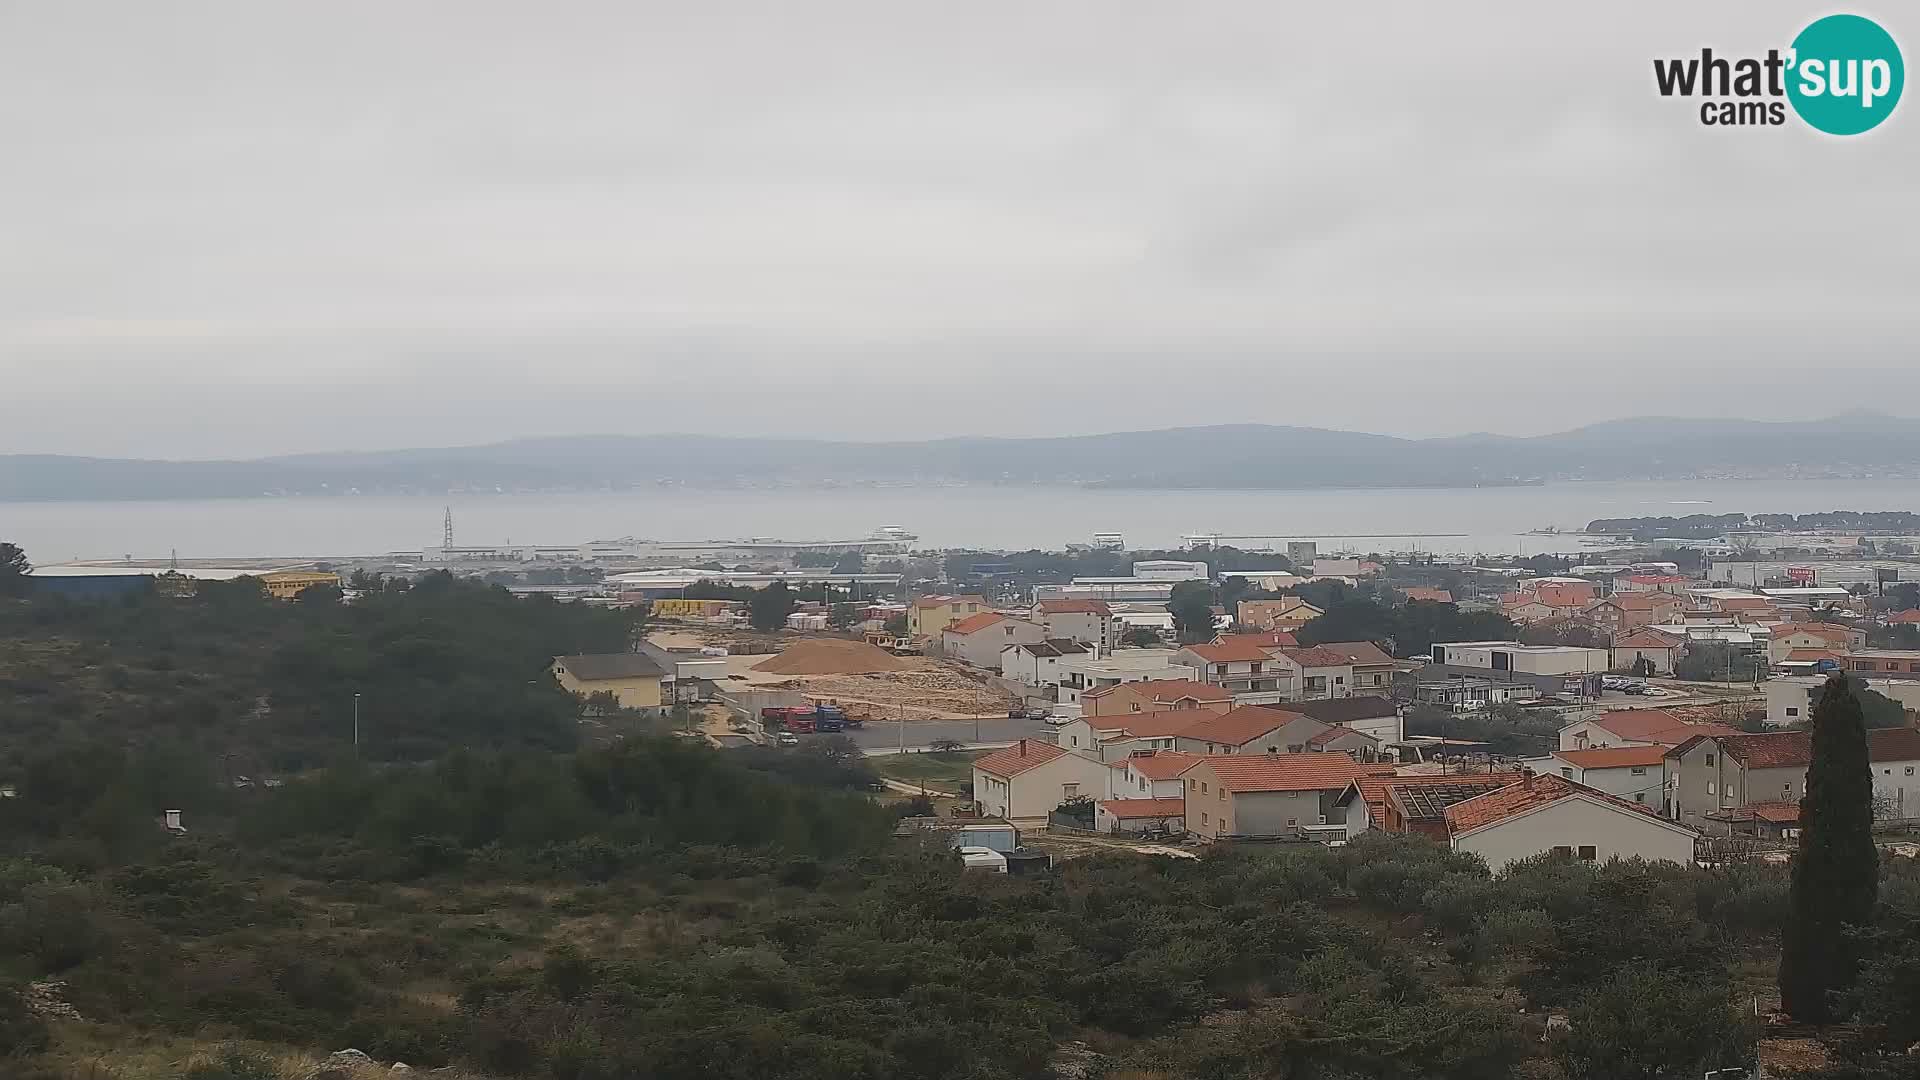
356 725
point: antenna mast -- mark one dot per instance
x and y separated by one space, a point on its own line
446 533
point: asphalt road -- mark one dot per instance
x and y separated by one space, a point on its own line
879 734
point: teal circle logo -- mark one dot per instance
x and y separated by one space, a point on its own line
1845 75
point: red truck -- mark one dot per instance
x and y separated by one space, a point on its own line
798 719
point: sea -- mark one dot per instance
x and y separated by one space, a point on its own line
1493 520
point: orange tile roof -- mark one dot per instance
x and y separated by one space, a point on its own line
1237 727
1234 649
1614 757
975 623
1743 603
1165 690
1656 726
1013 760
1149 725
1812 655
1418 592
1658 579
1160 764
1332 733
1530 793
1265 640
1824 631
1902 617
1247 773
1646 639
1641 601
1376 788
1126 809
1069 607
1779 813
1357 652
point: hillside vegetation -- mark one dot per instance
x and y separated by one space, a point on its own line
472 893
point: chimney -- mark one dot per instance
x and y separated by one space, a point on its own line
173 821
1023 748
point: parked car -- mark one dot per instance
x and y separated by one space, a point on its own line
1039 712
788 738
1058 721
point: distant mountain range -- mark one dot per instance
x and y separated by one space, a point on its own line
1237 456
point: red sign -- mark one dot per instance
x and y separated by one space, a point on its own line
1801 574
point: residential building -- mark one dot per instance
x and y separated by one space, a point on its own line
978 639
1149 774
1154 695
1623 613
1372 668
1112 738
1650 647
288 584
1266 795
1089 622
1140 815
1412 804
1528 611
1561 594
1249 729
1522 659
1087 672
1708 774
1634 727
1284 613
1318 671
1634 773
927 616
1790 698
1432 596
1241 668
1671 584
632 678
1819 635
1885 663
1366 713
1542 814
1037 663
1355 744
1029 779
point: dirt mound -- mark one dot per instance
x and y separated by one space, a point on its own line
827 657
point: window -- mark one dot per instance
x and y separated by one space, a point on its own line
1339 680
1710 790
1787 788
1562 849
1639 796
1909 770
1203 817
1203 787
1069 790
1709 760
1637 770
1291 822
1193 785
1792 711
1223 794
1588 853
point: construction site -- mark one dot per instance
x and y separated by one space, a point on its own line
865 681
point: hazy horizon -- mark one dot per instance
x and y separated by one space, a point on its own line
241 231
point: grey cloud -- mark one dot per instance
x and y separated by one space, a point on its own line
451 222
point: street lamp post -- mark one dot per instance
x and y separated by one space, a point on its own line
356 725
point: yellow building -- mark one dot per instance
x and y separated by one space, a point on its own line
632 678
928 615
693 609
287 584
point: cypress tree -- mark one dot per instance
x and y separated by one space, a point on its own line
1836 872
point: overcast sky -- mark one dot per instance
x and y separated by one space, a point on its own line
245 228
